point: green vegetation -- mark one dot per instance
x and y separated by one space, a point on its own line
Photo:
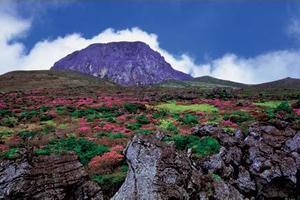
134 126
110 135
238 116
284 106
167 125
133 107
9 122
27 115
189 119
5 133
85 149
95 113
142 119
27 134
177 108
111 180
269 104
160 114
143 132
12 153
201 146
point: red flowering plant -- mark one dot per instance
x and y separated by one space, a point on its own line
106 163
297 111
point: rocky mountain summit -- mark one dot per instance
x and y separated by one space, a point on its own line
125 63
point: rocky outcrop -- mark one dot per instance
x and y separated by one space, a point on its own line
125 63
46 177
262 165
158 171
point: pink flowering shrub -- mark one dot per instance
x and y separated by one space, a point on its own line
297 111
229 123
84 129
2 105
106 163
117 148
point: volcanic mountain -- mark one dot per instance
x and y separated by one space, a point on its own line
125 63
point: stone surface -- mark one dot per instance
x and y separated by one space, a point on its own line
46 177
125 63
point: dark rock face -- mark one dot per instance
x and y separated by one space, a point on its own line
263 165
46 177
125 63
158 171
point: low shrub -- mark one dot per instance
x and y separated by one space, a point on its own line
105 163
238 116
189 119
5 133
160 114
85 149
5 113
46 117
201 146
133 126
133 107
284 106
143 132
26 134
142 119
9 122
27 115
12 153
167 125
110 135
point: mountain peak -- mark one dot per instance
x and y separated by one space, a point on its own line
125 63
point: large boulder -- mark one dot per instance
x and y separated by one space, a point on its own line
51 177
158 171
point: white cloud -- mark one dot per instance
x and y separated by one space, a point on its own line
265 67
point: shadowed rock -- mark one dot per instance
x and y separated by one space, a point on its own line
46 177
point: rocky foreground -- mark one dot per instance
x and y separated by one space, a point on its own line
265 164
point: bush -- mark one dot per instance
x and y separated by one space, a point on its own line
238 116
113 180
45 117
189 119
85 149
201 146
26 134
5 113
167 125
142 119
110 135
143 132
9 122
133 107
106 162
133 125
284 106
27 115
5 133
10 154
160 114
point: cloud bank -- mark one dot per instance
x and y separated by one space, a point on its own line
261 68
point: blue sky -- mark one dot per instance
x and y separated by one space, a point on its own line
228 40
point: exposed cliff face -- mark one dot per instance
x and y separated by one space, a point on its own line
46 177
263 165
125 63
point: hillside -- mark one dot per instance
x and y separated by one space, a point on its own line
205 82
28 80
286 83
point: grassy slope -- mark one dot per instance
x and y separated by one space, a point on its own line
205 82
25 80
